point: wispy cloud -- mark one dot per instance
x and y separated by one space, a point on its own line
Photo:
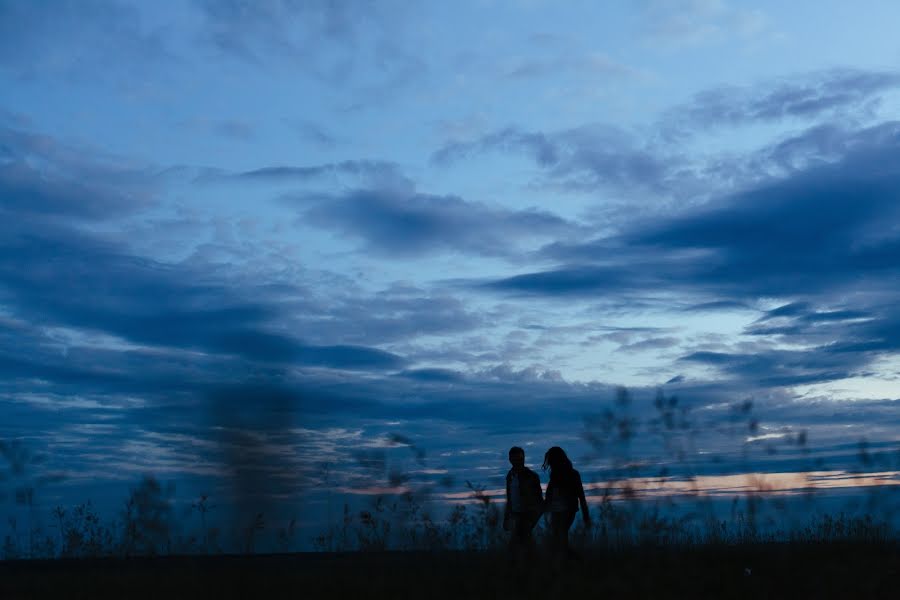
805 96
593 65
85 41
694 22
313 133
334 42
583 158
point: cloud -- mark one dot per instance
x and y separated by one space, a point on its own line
77 282
654 165
391 315
566 281
171 349
581 158
780 368
434 375
716 305
813 230
655 343
836 344
694 22
803 96
27 193
59 273
819 237
372 171
213 362
537 145
583 65
240 28
346 174
231 129
234 130
83 40
333 42
262 431
313 133
404 223
44 178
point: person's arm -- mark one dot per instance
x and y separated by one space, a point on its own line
507 510
538 492
582 500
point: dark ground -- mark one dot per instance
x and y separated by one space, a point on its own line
829 570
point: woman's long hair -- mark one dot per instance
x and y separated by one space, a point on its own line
557 461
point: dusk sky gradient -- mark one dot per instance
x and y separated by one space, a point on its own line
241 240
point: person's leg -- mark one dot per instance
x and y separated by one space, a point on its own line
531 519
513 532
566 519
522 534
570 518
517 538
559 534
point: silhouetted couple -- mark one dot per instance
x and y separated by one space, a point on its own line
525 503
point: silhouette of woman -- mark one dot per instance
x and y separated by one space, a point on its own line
564 493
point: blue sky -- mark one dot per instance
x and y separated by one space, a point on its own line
243 240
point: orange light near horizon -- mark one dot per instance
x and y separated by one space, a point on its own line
775 484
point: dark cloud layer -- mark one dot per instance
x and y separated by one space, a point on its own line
403 223
344 174
57 274
821 237
814 230
46 179
372 170
77 282
27 193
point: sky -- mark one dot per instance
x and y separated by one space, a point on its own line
270 249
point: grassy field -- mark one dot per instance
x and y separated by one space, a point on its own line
787 570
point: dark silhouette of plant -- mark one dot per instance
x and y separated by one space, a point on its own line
86 536
286 536
147 519
486 532
202 506
250 533
374 527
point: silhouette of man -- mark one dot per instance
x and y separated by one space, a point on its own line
524 502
